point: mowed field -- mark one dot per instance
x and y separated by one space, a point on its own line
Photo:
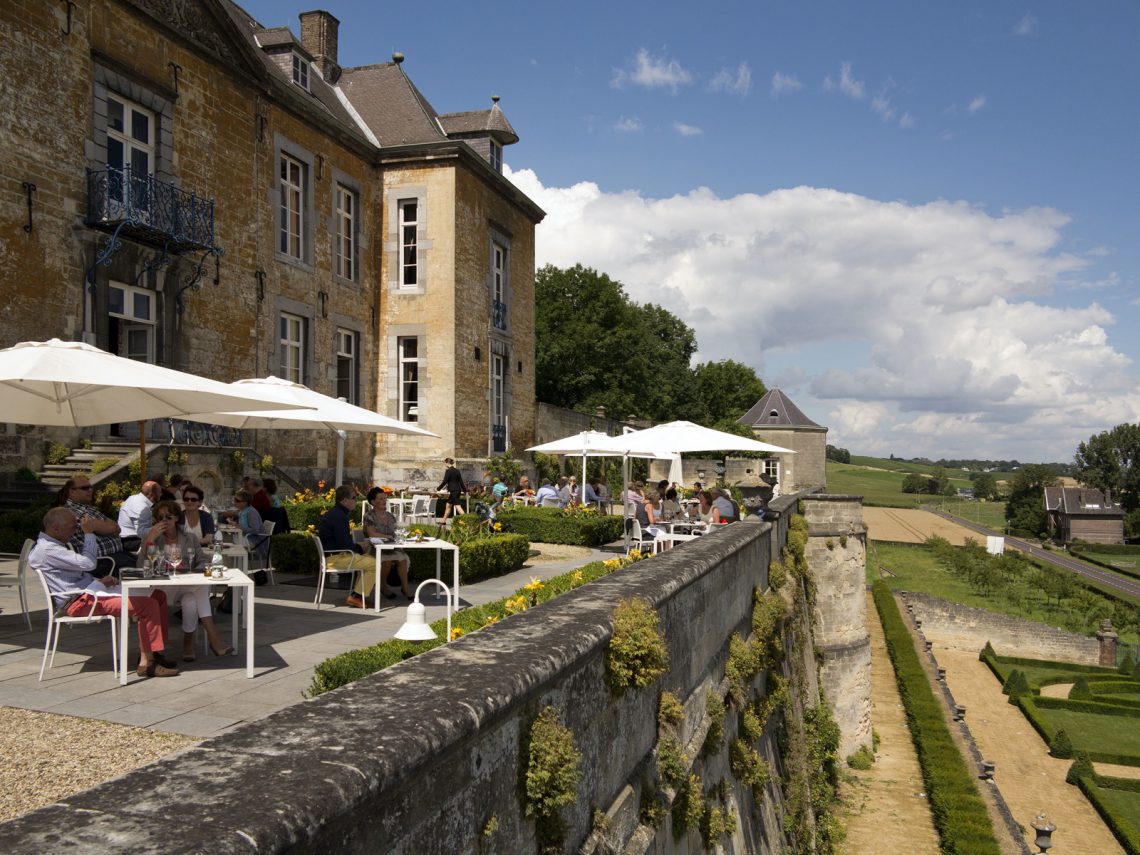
910 525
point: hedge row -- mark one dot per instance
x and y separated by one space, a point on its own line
1106 548
1124 571
960 815
1028 704
353 665
1127 835
1093 707
552 525
479 558
1047 664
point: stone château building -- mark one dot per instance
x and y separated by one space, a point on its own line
185 186
776 419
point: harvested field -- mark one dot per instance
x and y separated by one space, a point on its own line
907 525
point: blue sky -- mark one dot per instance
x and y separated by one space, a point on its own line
917 219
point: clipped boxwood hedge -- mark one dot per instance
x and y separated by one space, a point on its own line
960 815
552 525
1126 834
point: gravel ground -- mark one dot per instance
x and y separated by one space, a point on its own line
47 757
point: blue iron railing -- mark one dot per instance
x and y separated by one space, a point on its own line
498 439
499 314
146 208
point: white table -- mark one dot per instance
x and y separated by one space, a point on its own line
233 579
380 546
400 508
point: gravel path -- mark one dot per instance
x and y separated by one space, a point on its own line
48 757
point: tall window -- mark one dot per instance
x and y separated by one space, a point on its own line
347 365
345 232
132 321
130 152
301 71
408 365
499 286
293 347
292 220
498 402
409 242
496 156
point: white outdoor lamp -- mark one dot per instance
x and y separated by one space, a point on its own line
416 626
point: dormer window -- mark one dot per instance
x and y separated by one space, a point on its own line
301 71
496 156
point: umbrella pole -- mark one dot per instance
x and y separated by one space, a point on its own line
339 458
624 503
142 452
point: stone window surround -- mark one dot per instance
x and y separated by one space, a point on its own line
498 345
500 237
282 146
142 92
343 322
392 244
341 179
283 305
392 371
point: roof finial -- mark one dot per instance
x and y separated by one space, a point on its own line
494 99
397 57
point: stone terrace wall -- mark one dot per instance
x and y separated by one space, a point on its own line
965 627
416 759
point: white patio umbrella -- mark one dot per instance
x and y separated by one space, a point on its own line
72 384
323 412
588 443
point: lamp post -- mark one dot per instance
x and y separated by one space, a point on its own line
416 627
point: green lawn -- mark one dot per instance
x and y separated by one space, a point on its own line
1125 806
883 487
1035 675
1111 734
1127 565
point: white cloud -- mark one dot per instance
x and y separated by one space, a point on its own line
882 107
784 83
652 73
687 130
976 104
847 84
628 125
906 120
738 82
933 319
1027 26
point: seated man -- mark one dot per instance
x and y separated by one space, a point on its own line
381 524
498 492
724 509
336 534
74 588
547 496
590 496
135 517
77 498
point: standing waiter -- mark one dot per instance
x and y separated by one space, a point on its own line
453 483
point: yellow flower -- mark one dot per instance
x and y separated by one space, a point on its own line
456 632
310 528
498 526
515 605
535 584
577 578
612 563
490 620
635 555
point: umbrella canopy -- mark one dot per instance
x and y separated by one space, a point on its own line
322 411
679 437
591 443
71 384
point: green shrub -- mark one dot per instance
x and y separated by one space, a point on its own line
1127 665
670 761
1061 746
552 774
553 525
863 759
714 738
745 662
777 575
103 464
25 475
636 654
491 556
717 822
751 727
293 553
1080 690
304 514
669 710
18 526
1082 768
689 805
988 652
56 453
749 768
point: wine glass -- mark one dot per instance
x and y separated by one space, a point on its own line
173 555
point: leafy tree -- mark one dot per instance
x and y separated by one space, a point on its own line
725 391
939 483
1110 462
985 485
914 483
839 455
1025 508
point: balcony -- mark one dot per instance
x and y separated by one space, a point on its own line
146 209
499 315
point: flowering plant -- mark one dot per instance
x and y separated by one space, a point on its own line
456 632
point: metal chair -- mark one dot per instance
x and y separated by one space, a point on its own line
267 529
323 570
551 502
57 620
422 510
23 572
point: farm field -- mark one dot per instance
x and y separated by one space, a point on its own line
910 525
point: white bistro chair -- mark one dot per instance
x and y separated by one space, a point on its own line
57 620
267 529
23 577
422 511
323 570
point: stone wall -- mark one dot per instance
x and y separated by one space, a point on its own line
954 625
836 552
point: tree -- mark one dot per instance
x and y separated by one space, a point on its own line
725 391
985 485
839 455
914 483
1110 462
1025 509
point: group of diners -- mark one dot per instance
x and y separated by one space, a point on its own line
662 504
76 536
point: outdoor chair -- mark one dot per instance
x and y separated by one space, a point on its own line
551 502
323 570
23 577
637 539
422 511
267 557
56 620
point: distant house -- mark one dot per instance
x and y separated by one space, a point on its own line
776 419
1080 513
965 492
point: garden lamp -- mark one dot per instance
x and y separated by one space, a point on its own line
416 626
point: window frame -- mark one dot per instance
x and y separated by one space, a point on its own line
290 192
346 231
404 229
340 335
127 320
286 345
302 71
404 404
495 155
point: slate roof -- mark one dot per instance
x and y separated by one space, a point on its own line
388 102
1079 501
775 409
491 122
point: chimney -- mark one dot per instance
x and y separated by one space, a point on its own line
319 37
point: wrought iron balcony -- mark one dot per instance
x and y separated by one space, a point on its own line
144 208
499 314
498 439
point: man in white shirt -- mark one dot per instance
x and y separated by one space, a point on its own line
76 592
547 496
135 517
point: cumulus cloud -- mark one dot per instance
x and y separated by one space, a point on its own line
687 130
738 82
652 73
783 84
925 327
847 84
628 125
1027 26
976 104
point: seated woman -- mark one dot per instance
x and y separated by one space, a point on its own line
195 520
650 508
195 600
380 523
249 521
524 489
670 507
705 511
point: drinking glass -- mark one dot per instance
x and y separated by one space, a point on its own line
173 555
